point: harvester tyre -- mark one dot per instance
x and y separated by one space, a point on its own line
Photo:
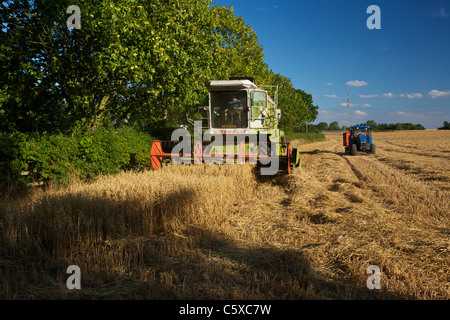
354 150
373 149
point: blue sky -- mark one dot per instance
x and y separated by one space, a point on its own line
399 73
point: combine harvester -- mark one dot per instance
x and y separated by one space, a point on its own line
239 125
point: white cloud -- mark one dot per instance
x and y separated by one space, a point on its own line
391 95
440 13
413 95
357 83
438 94
329 84
329 115
360 113
344 104
367 105
402 95
411 115
331 96
368 96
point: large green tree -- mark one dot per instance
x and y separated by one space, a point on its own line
296 105
144 61
130 57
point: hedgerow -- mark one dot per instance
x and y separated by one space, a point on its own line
34 158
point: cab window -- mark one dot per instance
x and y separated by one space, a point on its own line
259 103
229 109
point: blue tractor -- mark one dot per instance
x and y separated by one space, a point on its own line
359 138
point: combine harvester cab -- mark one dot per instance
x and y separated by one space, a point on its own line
241 125
359 138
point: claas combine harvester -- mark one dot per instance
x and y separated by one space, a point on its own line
240 124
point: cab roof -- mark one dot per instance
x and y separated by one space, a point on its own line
230 85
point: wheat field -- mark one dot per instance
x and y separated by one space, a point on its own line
220 232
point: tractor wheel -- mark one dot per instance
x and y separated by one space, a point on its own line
354 150
372 149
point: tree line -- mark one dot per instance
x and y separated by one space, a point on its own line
334 126
144 63
446 126
393 126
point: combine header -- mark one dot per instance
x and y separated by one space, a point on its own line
240 124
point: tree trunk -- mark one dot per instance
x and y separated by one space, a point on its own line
100 111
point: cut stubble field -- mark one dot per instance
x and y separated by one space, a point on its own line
220 232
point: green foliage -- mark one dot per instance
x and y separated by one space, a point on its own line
296 105
446 126
371 123
144 61
393 126
111 150
334 126
322 126
57 158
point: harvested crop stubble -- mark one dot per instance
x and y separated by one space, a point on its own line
382 216
106 226
218 232
128 204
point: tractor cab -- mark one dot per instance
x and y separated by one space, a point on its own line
240 105
359 138
361 133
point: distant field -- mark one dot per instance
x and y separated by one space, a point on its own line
218 232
